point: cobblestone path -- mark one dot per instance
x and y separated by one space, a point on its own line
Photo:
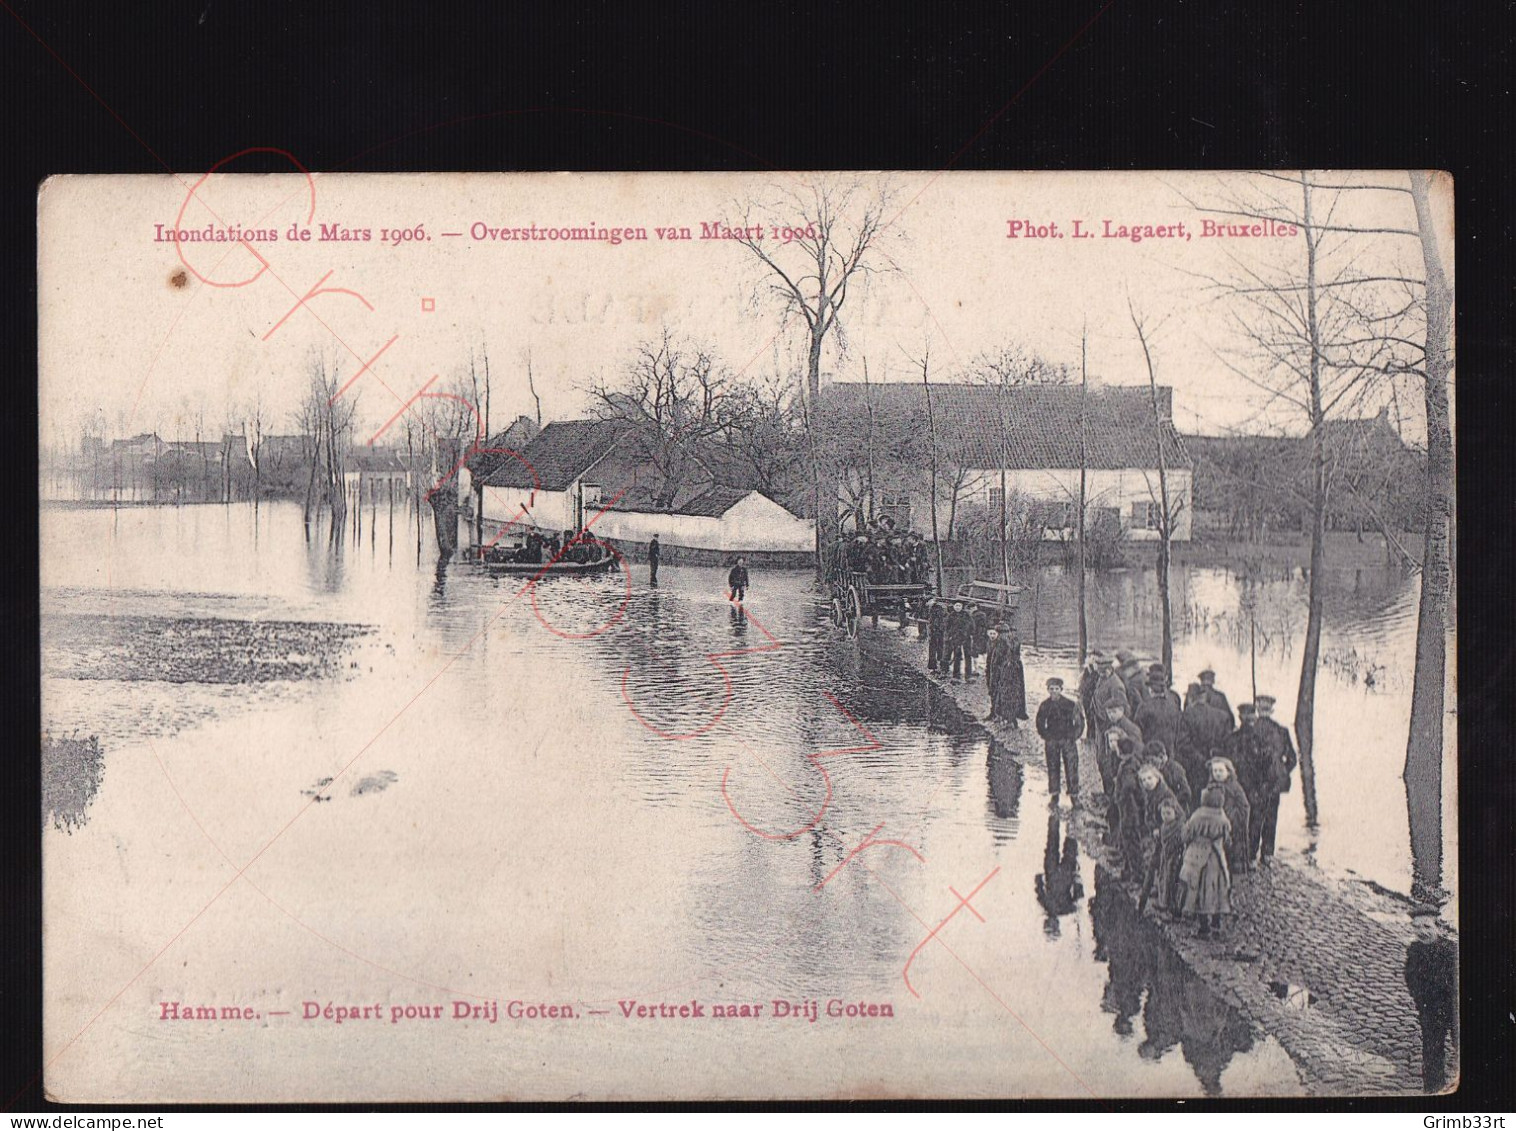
1345 1016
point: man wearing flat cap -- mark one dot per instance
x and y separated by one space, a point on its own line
1060 724
1159 716
1431 974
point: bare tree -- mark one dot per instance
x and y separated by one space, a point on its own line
1012 366
1079 510
673 396
1326 326
817 240
931 432
325 420
1424 745
1165 513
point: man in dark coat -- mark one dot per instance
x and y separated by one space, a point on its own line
918 565
1431 974
1245 750
1129 670
1060 724
979 632
1159 716
654 554
994 658
958 639
1210 693
936 635
1278 763
737 581
1206 728
857 556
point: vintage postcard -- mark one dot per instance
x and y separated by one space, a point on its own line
747 636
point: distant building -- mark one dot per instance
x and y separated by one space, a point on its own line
1031 439
1251 486
371 474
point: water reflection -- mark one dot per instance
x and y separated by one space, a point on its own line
1145 977
1058 886
1006 777
687 889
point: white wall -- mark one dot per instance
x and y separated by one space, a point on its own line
549 510
755 523
672 529
759 523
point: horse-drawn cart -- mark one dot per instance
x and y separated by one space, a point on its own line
855 596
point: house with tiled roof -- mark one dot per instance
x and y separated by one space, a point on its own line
573 470
1026 442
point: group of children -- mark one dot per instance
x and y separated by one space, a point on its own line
1182 841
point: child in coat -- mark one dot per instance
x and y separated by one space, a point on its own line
1170 857
1204 872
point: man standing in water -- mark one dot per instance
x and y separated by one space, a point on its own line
654 552
736 581
1431 974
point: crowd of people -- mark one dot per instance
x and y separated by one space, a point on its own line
1190 790
883 556
539 549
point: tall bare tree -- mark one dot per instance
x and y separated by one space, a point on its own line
1424 745
1080 508
1008 367
673 395
1165 513
818 240
1325 313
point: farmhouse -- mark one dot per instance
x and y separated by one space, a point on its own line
574 469
994 445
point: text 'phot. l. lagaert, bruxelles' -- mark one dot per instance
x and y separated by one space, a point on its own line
1025 229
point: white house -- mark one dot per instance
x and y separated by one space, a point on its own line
728 520
573 469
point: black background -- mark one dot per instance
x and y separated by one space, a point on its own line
178 86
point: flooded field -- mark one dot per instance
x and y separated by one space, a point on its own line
667 798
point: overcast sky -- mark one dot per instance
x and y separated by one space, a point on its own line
123 345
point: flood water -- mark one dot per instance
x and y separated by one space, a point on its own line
660 797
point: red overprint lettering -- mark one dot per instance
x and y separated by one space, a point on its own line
815 761
318 289
714 659
869 842
192 195
963 901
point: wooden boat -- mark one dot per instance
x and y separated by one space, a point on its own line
556 569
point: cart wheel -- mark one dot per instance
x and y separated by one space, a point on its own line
839 615
854 613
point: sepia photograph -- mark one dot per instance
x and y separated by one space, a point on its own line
806 636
